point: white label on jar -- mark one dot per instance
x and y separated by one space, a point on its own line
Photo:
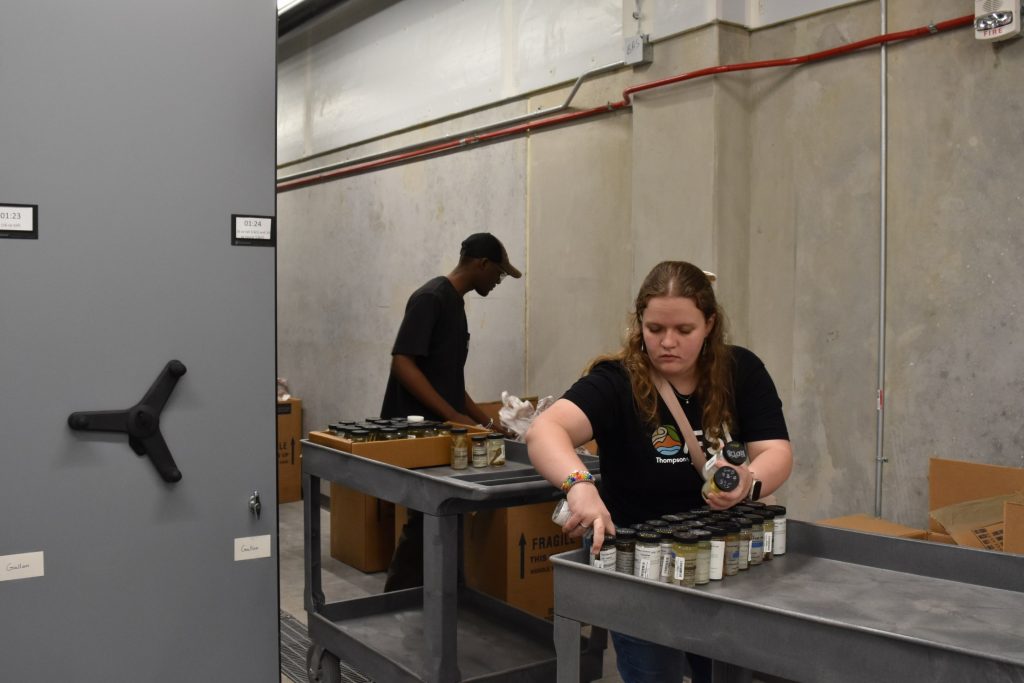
768 541
460 457
667 560
605 559
680 568
717 560
647 561
780 536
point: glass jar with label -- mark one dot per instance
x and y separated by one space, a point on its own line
779 539
724 480
745 526
702 572
756 539
666 540
387 434
716 568
647 561
429 428
625 550
359 436
372 432
479 453
495 450
460 448
769 532
443 429
684 553
732 548
607 556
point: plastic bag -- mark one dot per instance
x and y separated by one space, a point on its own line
517 415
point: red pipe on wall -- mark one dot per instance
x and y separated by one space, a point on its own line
626 102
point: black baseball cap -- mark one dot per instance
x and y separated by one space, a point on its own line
485 245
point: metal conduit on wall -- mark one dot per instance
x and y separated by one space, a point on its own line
446 144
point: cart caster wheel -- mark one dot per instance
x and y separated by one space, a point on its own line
322 666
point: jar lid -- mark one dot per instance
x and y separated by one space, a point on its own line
685 537
478 437
701 534
754 504
715 530
625 533
656 523
458 430
359 432
641 527
779 510
755 520
745 522
666 532
495 435
648 536
388 430
731 527
372 428
735 453
414 418
727 478
672 519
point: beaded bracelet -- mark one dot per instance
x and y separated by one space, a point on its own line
575 477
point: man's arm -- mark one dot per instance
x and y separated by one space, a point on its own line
417 384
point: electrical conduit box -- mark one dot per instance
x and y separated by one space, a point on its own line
996 19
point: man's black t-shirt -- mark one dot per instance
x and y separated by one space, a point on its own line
435 333
647 472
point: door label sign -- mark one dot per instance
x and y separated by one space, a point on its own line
23 566
19 221
252 548
252 231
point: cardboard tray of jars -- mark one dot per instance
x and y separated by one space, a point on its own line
839 605
437 489
430 451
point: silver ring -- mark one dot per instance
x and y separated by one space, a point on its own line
585 526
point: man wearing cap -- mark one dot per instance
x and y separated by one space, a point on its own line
427 368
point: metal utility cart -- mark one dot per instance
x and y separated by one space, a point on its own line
443 632
840 606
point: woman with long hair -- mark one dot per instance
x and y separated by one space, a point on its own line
676 342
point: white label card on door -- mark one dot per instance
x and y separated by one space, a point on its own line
252 548
252 231
19 221
23 566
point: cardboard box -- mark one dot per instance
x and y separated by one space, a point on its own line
874 525
506 555
362 529
971 504
289 450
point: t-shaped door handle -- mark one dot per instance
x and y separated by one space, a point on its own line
141 422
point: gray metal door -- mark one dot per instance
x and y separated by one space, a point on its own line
130 134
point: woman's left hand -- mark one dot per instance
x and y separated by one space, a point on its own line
724 500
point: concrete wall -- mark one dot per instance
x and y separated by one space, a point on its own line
770 178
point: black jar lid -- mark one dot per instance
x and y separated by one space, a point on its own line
702 534
716 531
745 522
641 526
625 533
479 437
656 523
755 520
665 532
495 435
648 537
671 519
388 430
754 504
727 478
359 432
685 537
779 510
458 430
731 526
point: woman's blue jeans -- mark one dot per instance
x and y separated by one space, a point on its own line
641 661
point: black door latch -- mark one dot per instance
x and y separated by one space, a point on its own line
141 422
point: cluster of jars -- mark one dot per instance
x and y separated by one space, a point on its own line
699 546
478 450
381 429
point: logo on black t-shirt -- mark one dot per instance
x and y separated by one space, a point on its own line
666 441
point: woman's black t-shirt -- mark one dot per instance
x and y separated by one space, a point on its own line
647 472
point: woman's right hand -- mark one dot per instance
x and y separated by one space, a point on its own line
588 512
